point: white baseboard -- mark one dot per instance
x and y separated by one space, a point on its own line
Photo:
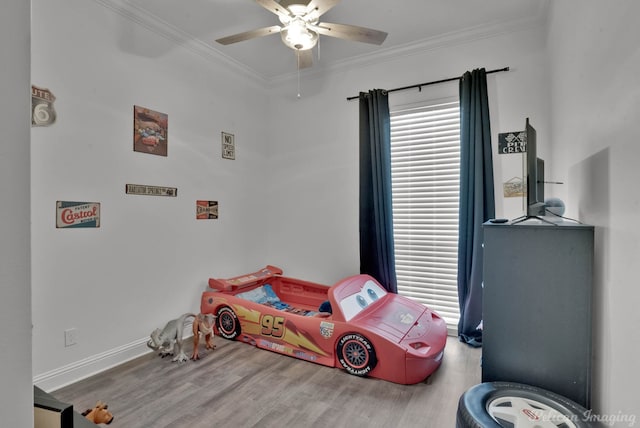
76 371
66 375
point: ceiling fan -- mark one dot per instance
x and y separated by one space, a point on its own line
301 27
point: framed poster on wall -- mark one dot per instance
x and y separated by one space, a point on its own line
150 131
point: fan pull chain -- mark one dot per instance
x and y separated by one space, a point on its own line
298 59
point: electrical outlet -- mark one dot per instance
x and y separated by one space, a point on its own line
70 337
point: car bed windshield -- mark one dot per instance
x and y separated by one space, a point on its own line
354 304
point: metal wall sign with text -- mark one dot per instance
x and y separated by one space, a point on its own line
143 189
42 111
77 214
512 142
228 146
206 210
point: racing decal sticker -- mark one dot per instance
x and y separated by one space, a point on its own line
272 326
277 347
249 319
305 356
242 280
406 318
326 329
301 339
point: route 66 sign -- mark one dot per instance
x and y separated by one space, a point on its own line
42 111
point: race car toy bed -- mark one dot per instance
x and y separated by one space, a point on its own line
354 324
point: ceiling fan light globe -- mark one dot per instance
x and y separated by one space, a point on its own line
299 38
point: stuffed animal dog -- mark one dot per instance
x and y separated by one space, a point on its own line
99 414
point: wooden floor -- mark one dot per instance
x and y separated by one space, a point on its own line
238 385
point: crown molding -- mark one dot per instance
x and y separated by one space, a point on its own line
157 25
185 40
442 41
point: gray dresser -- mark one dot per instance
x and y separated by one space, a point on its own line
537 306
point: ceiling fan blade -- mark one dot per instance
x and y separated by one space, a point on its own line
249 35
305 58
321 6
274 7
350 32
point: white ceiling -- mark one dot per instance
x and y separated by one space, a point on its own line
411 25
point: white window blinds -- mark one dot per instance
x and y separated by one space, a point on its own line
425 169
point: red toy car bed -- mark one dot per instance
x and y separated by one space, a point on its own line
354 324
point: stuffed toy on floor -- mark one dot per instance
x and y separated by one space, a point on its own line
99 414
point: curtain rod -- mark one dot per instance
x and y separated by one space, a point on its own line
420 85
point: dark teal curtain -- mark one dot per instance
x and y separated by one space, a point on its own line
477 202
376 216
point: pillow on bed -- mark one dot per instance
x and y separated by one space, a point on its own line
255 295
270 295
262 295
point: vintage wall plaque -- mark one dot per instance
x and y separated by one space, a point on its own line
228 146
42 111
206 210
77 214
512 142
143 189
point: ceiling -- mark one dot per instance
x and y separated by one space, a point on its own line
411 25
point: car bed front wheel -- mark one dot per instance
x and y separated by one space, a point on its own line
356 354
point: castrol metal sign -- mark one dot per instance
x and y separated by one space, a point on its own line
77 214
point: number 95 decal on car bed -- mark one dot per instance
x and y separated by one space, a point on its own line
251 323
272 326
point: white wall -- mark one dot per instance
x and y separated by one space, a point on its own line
595 76
16 391
150 258
314 145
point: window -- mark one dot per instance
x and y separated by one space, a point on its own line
425 175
